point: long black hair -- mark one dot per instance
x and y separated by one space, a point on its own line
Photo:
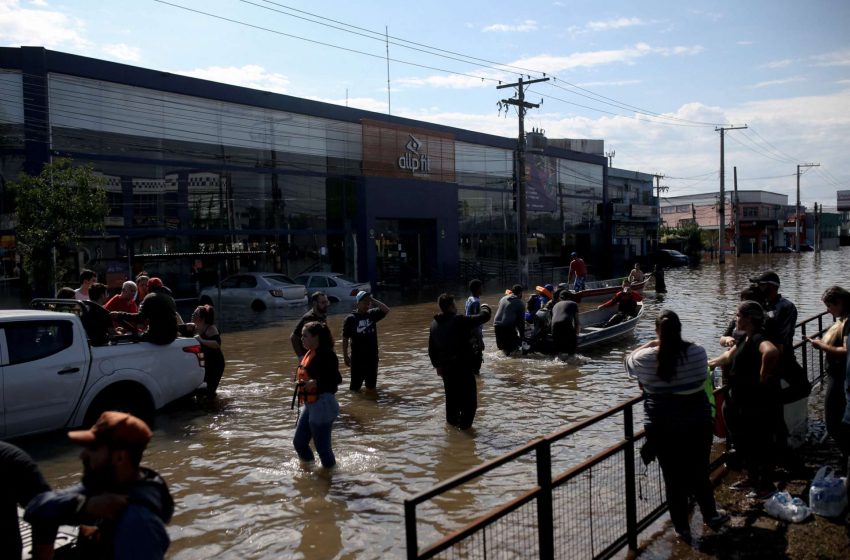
671 348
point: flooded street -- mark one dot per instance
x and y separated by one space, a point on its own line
241 492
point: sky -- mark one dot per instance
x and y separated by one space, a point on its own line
652 79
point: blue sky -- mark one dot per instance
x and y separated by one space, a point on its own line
652 79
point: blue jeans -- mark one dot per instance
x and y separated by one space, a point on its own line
579 284
315 423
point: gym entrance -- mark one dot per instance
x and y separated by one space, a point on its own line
405 252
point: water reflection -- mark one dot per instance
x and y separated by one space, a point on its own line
241 493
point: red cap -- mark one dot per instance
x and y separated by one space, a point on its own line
154 283
115 429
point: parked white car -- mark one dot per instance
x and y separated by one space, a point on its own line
257 290
51 378
335 285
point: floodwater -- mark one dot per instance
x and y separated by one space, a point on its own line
241 492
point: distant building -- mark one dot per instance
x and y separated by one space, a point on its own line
762 217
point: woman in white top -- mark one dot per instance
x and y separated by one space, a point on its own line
679 426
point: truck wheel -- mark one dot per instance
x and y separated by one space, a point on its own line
132 399
258 305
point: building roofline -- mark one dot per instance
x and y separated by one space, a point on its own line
116 72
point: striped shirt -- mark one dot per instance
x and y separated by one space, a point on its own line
689 377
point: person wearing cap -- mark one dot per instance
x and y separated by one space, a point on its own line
752 405
22 482
455 359
126 300
626 301
578 269
509 323
360 333
473 307
319 303
160 312
121 507
779 309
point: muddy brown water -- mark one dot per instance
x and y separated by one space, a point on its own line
241 492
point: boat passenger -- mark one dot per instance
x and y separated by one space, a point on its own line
578 269
626 301
636 276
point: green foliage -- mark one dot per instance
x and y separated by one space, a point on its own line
54 210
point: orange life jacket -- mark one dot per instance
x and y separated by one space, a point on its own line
306 396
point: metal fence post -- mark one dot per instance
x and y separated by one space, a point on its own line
803 349
410 530
545 519
629 473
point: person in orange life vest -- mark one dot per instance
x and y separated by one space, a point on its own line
626 301
318 379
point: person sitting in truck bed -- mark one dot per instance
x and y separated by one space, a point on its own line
96 320
159 310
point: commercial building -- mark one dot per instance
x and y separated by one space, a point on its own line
205 178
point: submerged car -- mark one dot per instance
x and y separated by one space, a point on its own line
671 257
335 285
257 290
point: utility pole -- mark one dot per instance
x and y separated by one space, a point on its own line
722 232
610 155
658 190
522 210
736 213
797 220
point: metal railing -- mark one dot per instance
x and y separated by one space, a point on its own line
590 510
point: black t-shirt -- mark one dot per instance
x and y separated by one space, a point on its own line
22 481
564 311
362 329
308 317
97 322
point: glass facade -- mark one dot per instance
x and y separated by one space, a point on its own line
204 187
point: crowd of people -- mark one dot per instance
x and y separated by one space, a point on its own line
123 507
760 375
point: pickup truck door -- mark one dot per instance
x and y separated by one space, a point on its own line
44 369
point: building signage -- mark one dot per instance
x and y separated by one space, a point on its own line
414 158
843 201
405 152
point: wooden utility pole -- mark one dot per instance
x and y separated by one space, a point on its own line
797 219
722 233
522 210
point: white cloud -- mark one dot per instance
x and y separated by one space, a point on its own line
40 3
21 26
524 27
250 75
617 23
784 63
744 43
123 52
835 58
843 82
783 81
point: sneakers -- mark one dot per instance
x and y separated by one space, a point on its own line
717 520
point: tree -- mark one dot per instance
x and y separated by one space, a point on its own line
54 209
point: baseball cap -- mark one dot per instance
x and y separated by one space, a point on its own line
115 429
573 254
154 283
768 277
362 294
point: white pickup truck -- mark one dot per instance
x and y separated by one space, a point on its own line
52 378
